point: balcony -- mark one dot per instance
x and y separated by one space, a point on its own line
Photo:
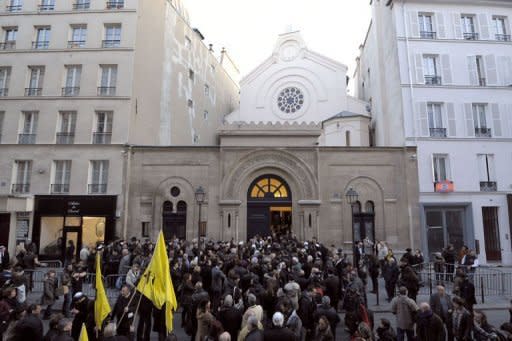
33 91
70 91
60 188
428 35
503 37
8 45
40 44
106 91
26 138
97 188
437 132
4 92
482 81
101 138
110 43
432 80
471 36
483 132
81 5
44 8
488 186
65 138
76 44
14 8
115 4
20 188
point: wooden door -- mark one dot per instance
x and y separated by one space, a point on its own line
491 233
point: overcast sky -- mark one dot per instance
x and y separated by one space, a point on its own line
249 28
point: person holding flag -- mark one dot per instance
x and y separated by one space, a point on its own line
101 305
156 283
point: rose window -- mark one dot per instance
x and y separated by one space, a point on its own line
290 100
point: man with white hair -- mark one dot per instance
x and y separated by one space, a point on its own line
254 333
429 326
278 332
225 337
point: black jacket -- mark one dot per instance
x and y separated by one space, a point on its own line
231 319
278 334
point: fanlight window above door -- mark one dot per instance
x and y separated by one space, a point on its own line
269 187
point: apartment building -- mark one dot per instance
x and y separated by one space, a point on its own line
438 75
80 82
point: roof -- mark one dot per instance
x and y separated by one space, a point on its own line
345 114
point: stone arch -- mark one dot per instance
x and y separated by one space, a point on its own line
162 194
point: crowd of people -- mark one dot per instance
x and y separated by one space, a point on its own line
265 289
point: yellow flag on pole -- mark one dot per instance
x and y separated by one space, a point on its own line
101 305
83 334
156 282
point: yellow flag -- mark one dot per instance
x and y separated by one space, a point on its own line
83 334
156 282
101 305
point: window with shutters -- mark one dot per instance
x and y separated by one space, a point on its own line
468 27
98 179
78 36
5 76
28 131
499 24
425 20
480 120
67 126
72 82
435 120
61 176
431 70
103 133
440 167
480 71
35 84
487 172
108 80
22 171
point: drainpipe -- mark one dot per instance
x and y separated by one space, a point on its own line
127 188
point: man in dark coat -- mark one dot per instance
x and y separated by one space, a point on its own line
49 293
332 285
278 332
307 308
467 292
462 321
441 304
4 258
390 272
124 311
449 256
83 308
429 326
329 312
230 317
32 321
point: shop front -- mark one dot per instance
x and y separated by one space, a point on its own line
84 220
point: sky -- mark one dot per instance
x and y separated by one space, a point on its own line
248 29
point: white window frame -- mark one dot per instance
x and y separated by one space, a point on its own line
423 21
431 61
5 76
113 32
73 75
62 172
67 122
435 115
23 168
467 22
480 117
438 162
108 75
79 34
486 167
36 76
98 176
43 34
104 121
499 24
11 33
29 122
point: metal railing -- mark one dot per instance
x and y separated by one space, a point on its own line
503 37
471 36
33 91
101 138
26 138
20 188
14 8
76 44
97 188
482 81
4 92
488 186
49 7
115 4
428 35
65 138
432 80
70 91
8 45
81 5
437 132
483 132
110 43
106 91
60 188
40 44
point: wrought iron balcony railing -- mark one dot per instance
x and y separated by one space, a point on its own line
65 138
110 43
471 36
437 132
60 188
97 188
432 80
49 7
503 37
70 91
43 44
76 44
101 138
26 138
428 35
106 91
115 4
483 132
4 92
8 45
488 186
20 188
14 8
81 5
33 91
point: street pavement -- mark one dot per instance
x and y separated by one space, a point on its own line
495 307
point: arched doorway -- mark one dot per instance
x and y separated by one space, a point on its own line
269 206
174 223
363 223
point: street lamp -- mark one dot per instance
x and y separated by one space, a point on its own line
199 195
352 197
